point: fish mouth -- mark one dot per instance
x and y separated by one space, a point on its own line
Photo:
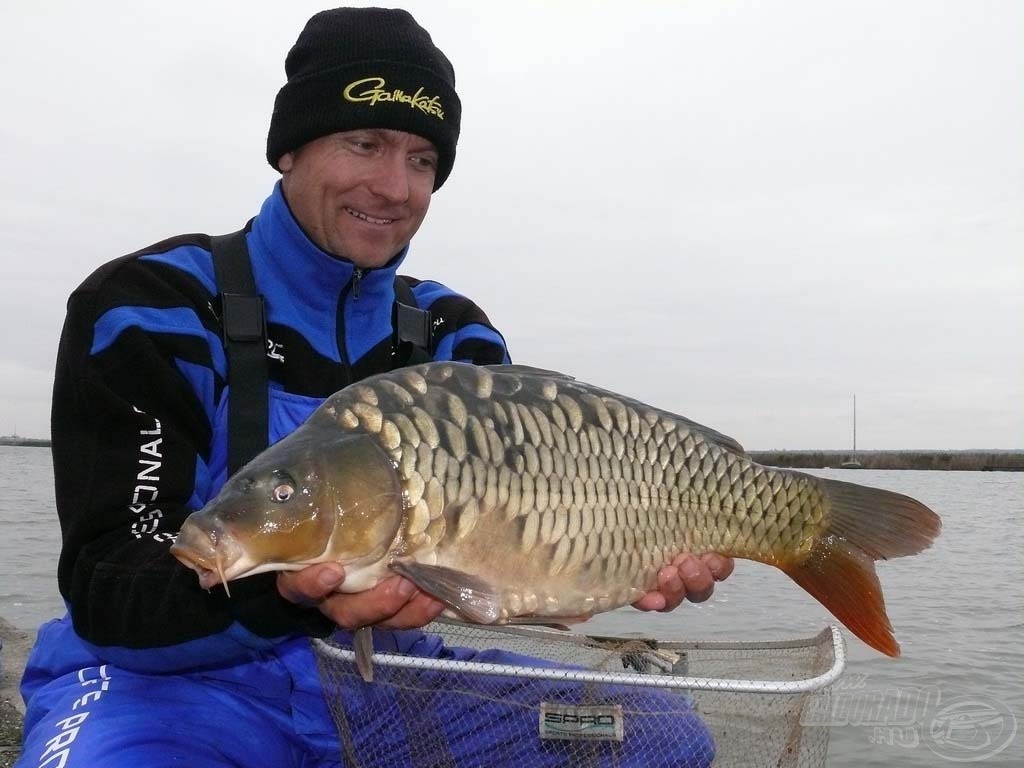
208 578
215 556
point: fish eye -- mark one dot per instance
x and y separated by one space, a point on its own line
282 492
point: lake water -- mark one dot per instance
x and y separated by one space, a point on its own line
958 609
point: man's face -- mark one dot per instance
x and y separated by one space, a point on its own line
361 194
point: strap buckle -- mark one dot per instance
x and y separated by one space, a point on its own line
415 326
243 317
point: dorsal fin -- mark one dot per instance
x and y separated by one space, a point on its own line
716 437
529 370
712 435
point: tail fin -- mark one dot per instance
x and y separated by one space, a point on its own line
867 524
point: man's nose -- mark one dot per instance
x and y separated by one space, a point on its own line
391 178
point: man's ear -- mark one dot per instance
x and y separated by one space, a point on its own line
286 163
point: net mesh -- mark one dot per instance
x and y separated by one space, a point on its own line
569 699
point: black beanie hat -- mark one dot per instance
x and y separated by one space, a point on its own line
357 68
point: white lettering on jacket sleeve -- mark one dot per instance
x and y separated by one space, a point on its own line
147 489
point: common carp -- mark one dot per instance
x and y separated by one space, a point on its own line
513 494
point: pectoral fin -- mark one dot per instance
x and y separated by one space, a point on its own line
474 598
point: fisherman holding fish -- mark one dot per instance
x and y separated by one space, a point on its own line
149 668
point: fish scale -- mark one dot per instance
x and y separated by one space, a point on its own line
518 494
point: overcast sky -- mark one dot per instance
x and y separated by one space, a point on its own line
744 212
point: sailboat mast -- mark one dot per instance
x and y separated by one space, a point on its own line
854 423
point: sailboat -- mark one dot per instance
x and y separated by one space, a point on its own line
852 462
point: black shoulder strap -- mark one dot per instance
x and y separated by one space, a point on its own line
245 334
413 339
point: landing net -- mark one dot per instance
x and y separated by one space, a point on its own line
550 698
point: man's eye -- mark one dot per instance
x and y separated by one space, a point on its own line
424 161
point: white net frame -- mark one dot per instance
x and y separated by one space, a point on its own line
749 696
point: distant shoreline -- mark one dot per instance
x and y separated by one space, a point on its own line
969 461
25 442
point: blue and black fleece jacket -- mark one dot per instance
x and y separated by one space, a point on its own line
139 425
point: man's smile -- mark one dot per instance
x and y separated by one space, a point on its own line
367 217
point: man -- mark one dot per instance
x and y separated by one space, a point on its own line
149 669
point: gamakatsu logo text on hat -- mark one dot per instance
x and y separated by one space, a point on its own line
371 89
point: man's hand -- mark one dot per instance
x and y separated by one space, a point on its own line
688 577
395 603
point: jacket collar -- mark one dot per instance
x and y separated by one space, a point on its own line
296 260
306 288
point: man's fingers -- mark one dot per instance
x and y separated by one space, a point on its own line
687 577
672 586
310 585
652 601
721 567
392 604
422 609
696 575
363 609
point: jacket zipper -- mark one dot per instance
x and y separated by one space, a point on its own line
353 288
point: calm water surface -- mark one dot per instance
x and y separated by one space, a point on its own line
957 608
